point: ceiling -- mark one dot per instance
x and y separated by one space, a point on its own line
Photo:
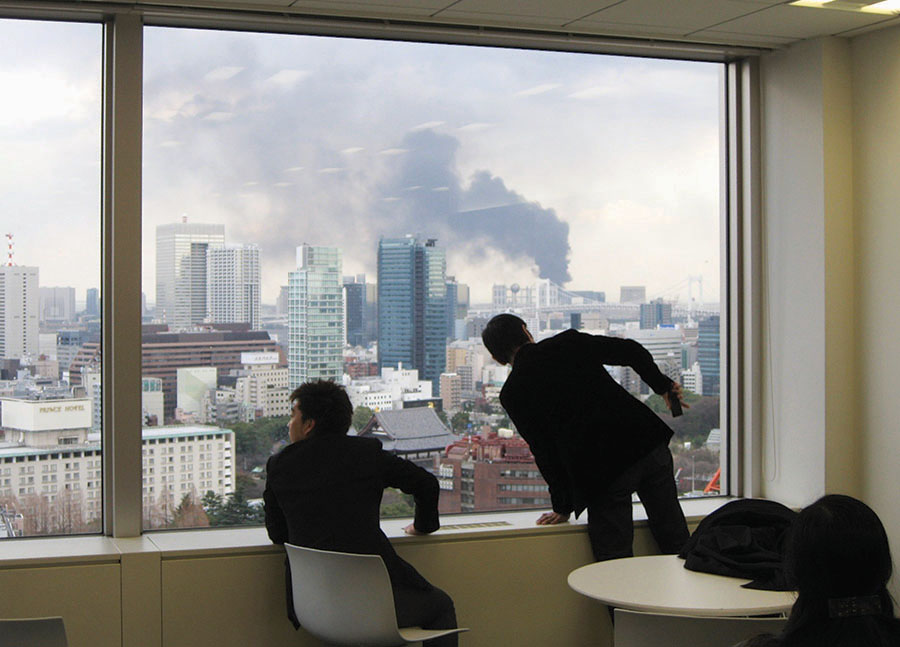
752 23
735 23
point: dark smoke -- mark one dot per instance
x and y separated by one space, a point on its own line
485 215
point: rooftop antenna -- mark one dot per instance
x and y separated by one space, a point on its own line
9 250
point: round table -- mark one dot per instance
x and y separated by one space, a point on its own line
661 584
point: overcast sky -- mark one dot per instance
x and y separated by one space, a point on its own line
593 171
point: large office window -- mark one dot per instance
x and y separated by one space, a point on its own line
50 386
356 210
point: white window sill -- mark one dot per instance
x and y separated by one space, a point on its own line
70 551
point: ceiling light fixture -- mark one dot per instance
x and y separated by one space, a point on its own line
886 7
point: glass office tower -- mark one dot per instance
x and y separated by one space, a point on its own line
412 306
316 316
181 271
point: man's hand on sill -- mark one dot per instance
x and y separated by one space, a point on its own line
552 518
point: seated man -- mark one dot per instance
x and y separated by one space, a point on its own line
324 491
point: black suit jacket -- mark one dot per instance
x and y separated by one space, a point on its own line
583 428
325 492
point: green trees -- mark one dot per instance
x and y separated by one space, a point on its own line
460 421
231 511
255 441
361 417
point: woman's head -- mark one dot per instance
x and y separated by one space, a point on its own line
838 549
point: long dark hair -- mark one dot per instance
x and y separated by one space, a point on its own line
839 559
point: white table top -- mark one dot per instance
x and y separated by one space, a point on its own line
661 584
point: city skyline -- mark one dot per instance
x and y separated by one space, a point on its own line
596 169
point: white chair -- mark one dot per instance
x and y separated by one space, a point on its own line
639 629
33 632
346 599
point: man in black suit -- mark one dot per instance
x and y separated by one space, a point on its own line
324 491
594 442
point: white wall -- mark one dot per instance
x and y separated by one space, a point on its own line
793 445
876 114
831 154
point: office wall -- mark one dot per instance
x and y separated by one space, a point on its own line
509 588
876 113
793 240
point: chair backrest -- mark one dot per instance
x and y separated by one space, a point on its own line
343 598
639 629
33 632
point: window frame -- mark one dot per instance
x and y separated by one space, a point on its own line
122 131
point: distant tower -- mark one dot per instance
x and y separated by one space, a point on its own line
412 302
656 313
316 316
233 284
708 354
181 270
92 303
19 306
633 294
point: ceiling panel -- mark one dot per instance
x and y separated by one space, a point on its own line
744 40
405 10
797 22
552 12
684 15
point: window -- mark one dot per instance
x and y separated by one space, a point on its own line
50 276
325 207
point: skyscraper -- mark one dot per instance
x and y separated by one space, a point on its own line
315 316
57 304
233 284
656 313
412 303
708 354
632 294
181 270
359 303
92 302
18 311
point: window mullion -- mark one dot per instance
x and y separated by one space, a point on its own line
123 67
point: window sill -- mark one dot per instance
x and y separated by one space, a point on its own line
183 544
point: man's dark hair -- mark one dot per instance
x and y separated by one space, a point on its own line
327 403
503 335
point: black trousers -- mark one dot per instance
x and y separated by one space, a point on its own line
610 525
428 609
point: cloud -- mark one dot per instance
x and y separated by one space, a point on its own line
428 125
219 116
287 78
223 73
538 89
474 127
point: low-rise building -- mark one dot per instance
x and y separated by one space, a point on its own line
492 471
416 434
51 466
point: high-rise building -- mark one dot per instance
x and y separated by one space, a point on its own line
57 304
18 311
412 302
181 271
656 313
281 301
632 294
316 316
591 295
233 284
92 303
360 304
708 354
457 305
